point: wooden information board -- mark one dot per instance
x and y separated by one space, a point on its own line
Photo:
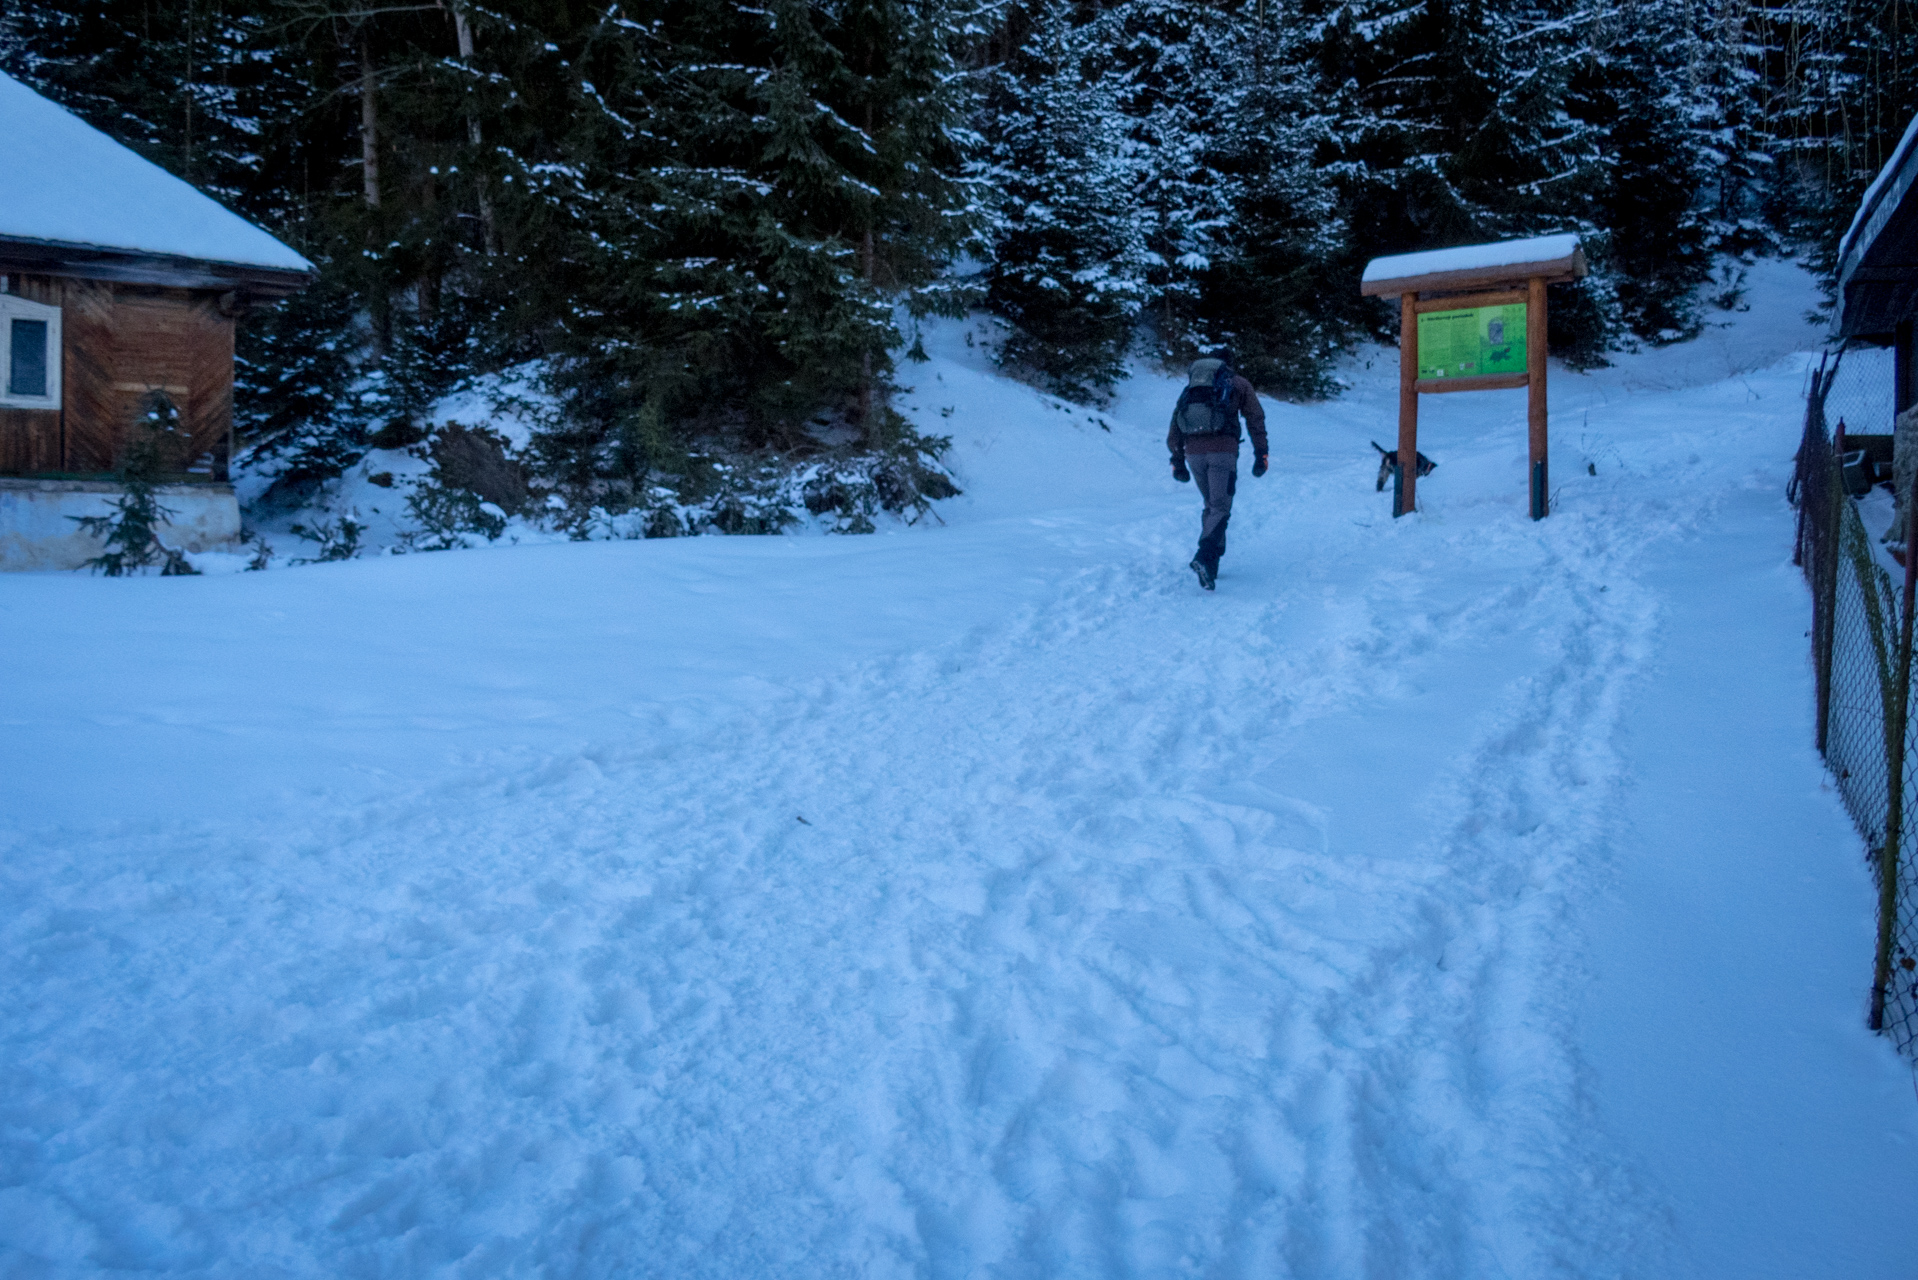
1472 341
1473 319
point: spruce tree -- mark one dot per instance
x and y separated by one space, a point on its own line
754 192
1273 291
1171 64
1840 81
1068 259
1657 240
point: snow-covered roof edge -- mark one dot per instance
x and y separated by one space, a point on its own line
1472 257
68 184
1870 202
1880 202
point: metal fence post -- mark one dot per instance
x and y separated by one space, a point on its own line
1888 856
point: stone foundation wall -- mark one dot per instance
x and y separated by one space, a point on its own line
37 530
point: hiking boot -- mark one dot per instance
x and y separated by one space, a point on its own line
1208 573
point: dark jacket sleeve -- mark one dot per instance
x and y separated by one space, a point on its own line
1252 411
1175 438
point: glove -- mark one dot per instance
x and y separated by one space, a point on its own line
1179 472
1258 465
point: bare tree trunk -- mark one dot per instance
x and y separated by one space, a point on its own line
369 127
866 264
378 304
865 357
426 293
188 88
490 232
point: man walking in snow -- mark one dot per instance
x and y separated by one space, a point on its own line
1204 441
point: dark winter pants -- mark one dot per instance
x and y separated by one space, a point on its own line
1217 475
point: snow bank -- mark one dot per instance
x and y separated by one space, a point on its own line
397 500
68 183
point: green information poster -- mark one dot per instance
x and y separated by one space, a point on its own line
1472 343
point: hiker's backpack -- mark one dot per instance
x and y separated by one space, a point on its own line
1205 406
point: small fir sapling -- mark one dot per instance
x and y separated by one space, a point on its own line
131 533
447 515
337 540
262 552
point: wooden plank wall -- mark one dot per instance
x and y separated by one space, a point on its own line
121 343
93 428
29 441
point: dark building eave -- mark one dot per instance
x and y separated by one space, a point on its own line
1878 259
125 266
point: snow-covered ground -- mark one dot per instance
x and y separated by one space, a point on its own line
1455 896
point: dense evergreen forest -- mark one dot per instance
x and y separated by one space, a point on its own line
715 225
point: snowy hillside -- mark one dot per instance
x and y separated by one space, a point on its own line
1455 896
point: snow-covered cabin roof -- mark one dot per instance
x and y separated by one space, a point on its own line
1557 258
71 196
1878 258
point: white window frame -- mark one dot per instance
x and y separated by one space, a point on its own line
13 307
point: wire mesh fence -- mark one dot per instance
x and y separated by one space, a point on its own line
1862 651
1861 391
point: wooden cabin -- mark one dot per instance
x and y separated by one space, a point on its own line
118 282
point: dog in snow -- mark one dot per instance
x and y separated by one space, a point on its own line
1389 458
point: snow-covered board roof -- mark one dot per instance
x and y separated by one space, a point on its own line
66 185
1878 258
1556 258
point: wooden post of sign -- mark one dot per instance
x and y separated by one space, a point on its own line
1404 488
1540 470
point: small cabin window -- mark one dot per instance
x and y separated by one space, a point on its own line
29 354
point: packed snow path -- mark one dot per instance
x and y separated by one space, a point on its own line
974 901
